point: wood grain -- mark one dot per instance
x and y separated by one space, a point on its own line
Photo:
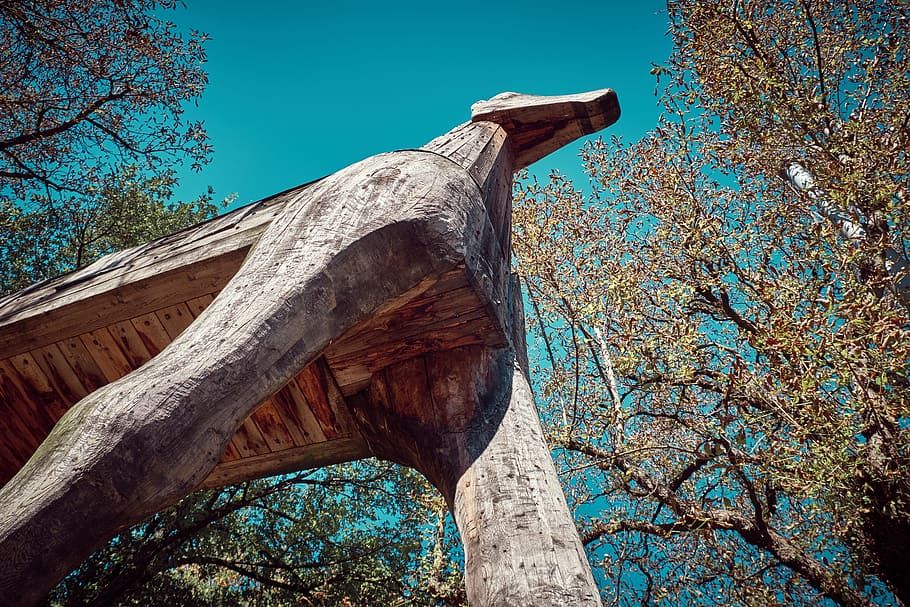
339 252
466 419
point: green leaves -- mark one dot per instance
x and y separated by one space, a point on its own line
125 210
345 535
731 315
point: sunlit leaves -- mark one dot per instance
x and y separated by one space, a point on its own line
346 535
758 360
87 85
124 210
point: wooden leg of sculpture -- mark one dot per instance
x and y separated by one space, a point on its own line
485 450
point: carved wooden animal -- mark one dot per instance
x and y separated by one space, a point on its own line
372 314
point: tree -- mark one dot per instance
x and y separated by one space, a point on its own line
89 85
348 535
126 210
91 121
91 118
724 373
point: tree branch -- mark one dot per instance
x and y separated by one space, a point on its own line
63 126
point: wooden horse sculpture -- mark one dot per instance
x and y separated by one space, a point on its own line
387 284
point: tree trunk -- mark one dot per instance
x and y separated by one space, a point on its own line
891 262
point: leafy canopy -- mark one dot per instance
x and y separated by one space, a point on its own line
724 375
88 85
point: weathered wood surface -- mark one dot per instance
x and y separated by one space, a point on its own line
343 252
143 295
193 262
36 387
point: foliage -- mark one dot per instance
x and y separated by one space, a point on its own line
91 119
724 376
126 210
91 116
90 84
440 566
346 535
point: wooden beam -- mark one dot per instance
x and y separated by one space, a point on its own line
191 263
336 451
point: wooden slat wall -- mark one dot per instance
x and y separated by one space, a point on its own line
306 423
37 387
65 338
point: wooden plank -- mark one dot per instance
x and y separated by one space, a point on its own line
454 399
107 355
354 362
248 440
197 305
56 368
294 410
445 315
17 441
175 319
30 421
446 282
352 378
230 453
236 444
125 284
325 399
151 332
130 343
24 331
40 388
83 365
409 393
448 312
19 435
227 233
171 265
316 455
273 430
10 461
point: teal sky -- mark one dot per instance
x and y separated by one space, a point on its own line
298 90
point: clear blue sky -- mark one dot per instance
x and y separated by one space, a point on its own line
298 90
